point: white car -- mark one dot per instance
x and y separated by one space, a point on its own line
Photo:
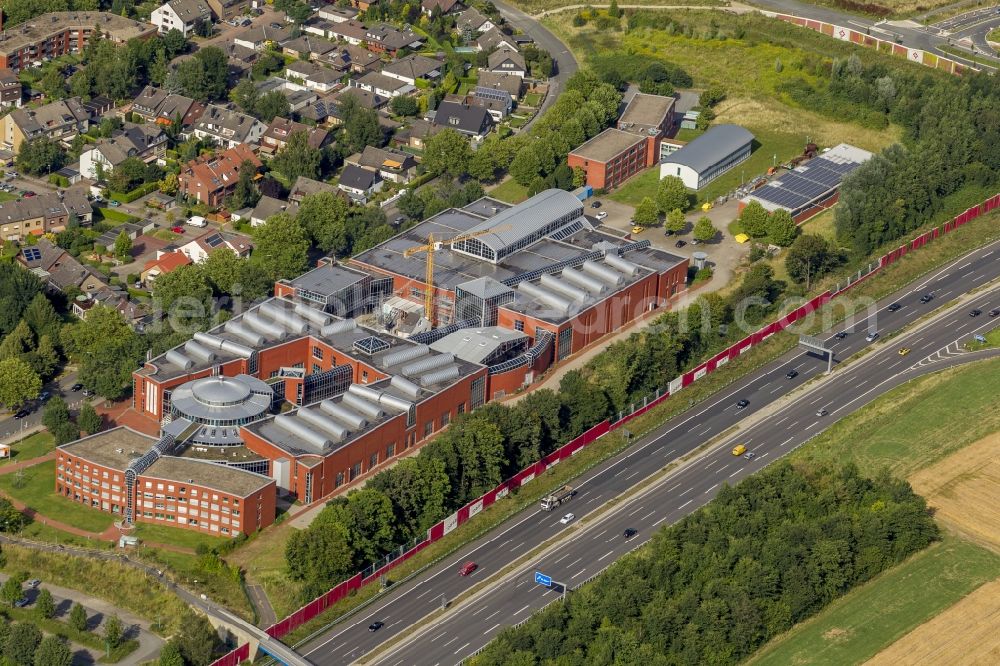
603 214
567 519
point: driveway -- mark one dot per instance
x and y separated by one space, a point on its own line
97 610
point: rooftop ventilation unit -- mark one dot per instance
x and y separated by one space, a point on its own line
369 409
404 385
174 357
429 363
343 414
582 280
438 376
213 342
325 423
557 285
404 355
532 291
339 327
293 426
234 327
287 319
312 314
265 326
199 352
382 398
621 265
603 273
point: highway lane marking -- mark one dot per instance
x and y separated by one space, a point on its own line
678 508
441 635
712 462
791 426
702 432
711 489
778 423
894 365
735 473
810 426
636 511
578 573
787 440
593 499
664 518
450 642
815 401
607 554
964 266
577 560
485 633
515 613
777 388
763 455
647 515
598 536
686 492
561 559
463 647
343 644
674 487
722 469
631 475
670 451
505 543
518 546
480 610
488 617
621 471
425 593
393 624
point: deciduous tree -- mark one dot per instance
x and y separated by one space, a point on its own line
753 219
282 247
88 419
704 230
106 349
298 158
675 221
448 152
670 194
18 383
53 651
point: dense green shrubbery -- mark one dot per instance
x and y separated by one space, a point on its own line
760 557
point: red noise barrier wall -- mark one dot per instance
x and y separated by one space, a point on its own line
240 654
320 604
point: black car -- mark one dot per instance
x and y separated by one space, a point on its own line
76 387
680 243
841 335
376 625
894 307
276 26
976 313
926 298
742 404
791 374
595 204
20 414
994 313
629 533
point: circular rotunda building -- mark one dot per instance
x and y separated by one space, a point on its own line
220 405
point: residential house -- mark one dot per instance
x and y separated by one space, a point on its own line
298 96
362 5
413 67
509 83
61 120
116 299
351 58
241 59
307 47
359 184
384 38
337 14
416 135
181 15
131 229
210 179
493 39
429 7
156 105
323 111
228 9
507 61
380 84
313 76
473 121
201 247
162 264
498 103
10 88
472 21
227 127
145 142
351 32
268 207
259 37
392 165
278 132
47 212
59 269
304 187
366 98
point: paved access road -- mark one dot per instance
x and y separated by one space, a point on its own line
407 604
776 432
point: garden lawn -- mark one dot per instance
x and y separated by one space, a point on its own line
32 446
509 191
537 6
176 536
7 196
38 492
857 626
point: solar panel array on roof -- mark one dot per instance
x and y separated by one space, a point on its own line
492 93
371 345
799 188
214 240
32 253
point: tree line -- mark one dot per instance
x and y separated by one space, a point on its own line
480 449
760 557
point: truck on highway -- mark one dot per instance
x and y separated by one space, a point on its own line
556 498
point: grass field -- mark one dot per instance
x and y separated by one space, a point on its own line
176 536
867 619
509 191
538 6
37 490
30 447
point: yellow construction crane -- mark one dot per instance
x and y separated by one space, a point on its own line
433 246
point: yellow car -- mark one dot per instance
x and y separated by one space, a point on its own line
637 229
739 450
904 351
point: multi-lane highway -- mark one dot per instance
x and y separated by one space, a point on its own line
407 604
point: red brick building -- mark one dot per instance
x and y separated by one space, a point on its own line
179 492
211 178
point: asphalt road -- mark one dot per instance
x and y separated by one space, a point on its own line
408 603
565 63
9 426
595 546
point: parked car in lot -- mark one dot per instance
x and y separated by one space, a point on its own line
114 204
22 602
29 193
603 214
33 583
680 243
636 229
595 204
21 413
177 230
44 395
76 387
467 568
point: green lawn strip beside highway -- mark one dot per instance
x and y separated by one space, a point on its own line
916 424
870 618
530 494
